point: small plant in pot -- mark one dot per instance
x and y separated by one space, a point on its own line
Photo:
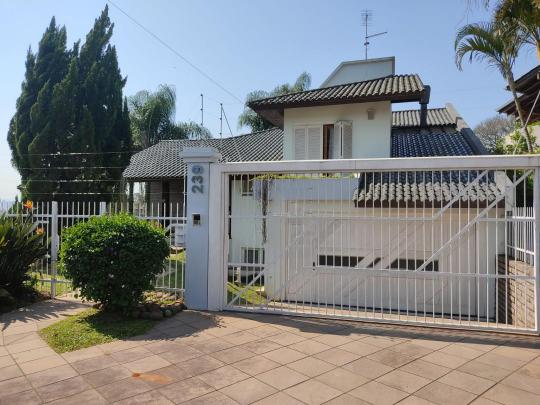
113 259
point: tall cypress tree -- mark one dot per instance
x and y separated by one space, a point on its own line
71 113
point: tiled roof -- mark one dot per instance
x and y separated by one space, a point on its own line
425 187
397 88
411 118
163 160
431 141
386 87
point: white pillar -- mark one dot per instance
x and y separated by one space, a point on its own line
198 161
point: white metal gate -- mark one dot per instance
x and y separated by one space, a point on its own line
435 241
52 217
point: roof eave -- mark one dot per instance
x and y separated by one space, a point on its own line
274 113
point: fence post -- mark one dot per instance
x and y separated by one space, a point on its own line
55 242
102 208
196 283
536 208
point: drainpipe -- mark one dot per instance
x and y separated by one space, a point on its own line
423 106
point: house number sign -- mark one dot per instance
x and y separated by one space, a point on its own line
197 179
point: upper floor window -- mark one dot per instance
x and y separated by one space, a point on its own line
329 141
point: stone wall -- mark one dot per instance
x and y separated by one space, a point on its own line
515 297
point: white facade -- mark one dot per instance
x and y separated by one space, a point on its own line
371 127
360 70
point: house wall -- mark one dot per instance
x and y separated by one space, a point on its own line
303 223
357 71
176 197
312 228
371 138
246 224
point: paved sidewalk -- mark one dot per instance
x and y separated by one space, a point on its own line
227 358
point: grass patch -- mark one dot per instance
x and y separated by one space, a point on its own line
92 327
253 295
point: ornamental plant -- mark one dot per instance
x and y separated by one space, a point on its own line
113 259
21 245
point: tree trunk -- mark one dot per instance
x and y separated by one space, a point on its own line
512 85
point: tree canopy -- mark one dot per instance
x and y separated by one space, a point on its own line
152 118
492 131
70 135
251 119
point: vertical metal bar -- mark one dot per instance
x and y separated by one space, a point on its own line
536 207
54 246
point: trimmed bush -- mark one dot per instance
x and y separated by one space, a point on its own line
113 259
21 244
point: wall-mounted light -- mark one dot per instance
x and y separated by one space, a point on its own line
371 113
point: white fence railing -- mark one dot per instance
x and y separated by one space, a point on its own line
435 241
52 217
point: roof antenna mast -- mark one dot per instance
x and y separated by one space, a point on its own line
367 18
202 110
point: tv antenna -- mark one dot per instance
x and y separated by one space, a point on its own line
367 18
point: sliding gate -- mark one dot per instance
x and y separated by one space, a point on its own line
432 240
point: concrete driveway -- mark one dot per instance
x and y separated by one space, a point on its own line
229 358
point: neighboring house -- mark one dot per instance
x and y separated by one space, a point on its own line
350 116
528 87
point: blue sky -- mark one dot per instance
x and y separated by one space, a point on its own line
247 45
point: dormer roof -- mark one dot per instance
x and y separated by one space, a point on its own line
394 88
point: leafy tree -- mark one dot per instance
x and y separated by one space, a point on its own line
70 136
153 118
498 44
492 131
251 119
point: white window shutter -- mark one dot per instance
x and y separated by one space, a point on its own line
300 143
336 141
346 140
315 143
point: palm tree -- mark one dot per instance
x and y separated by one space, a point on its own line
152 117
526 15
497 44
253 120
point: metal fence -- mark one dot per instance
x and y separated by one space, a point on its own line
433 241
53 217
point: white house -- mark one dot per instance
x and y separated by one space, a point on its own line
325 240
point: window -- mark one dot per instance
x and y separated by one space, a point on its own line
413 264
253 255
308 142
339 261
247 185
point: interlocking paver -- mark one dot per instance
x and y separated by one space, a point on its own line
256 365
378 394
282 377
284 355
235 358
107 375
508 395
224 376
152 397
443 394
341 379
213 398
403 381
248 391
63 388
185 390
26 397
467 382
311 366
313 392
125 388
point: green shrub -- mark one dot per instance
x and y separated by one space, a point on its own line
21 244
113 259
